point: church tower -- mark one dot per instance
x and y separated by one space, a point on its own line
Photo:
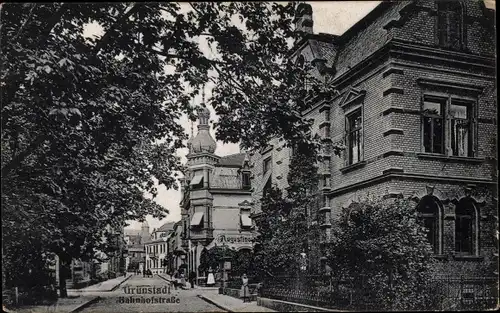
145 236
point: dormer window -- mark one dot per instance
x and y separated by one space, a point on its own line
266 165
450 24
245 177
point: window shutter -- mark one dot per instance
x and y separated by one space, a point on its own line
474 131
346 149
447 128
361 142
346 144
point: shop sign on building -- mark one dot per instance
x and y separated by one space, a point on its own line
234 239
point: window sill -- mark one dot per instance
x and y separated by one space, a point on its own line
434 156
352 167
439 256
465 257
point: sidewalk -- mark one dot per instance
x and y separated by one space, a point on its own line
188 285
107 285
169 279
231 304
71 304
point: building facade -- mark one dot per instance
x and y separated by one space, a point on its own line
176 255
135 244
157 249
216 202
415 111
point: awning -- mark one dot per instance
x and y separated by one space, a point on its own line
196 220
196 180
246 221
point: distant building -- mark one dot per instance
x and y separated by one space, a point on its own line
216 199
136 241
176 255
156 248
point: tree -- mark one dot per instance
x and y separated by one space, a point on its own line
88 123
213 258
241 262
285 229
381 247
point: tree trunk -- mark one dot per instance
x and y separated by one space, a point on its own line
18 159
63 292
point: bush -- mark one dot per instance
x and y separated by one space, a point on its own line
382 248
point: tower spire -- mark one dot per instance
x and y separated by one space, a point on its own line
203 95
203 142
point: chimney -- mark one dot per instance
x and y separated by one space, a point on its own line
303 18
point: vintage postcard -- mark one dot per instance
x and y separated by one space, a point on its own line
249 156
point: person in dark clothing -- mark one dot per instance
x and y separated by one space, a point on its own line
192 277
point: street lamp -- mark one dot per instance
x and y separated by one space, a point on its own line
165 239
226 265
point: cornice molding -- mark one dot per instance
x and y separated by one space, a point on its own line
448 84
410 176
230 191
398 49
408 48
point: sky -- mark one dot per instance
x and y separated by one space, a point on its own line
333 17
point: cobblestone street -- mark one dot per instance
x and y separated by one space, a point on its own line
183 300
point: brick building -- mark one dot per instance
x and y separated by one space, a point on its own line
415 109
216 200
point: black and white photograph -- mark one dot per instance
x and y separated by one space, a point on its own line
319 156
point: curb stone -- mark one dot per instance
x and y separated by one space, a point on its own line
85 304
170 281
162 277
220 306
117 286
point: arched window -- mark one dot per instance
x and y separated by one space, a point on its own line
429 212
466 227
450 24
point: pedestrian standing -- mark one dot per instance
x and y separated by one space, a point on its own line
210 278
192 277
175 280
183 279
245 292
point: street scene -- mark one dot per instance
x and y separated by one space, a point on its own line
182 300
249 156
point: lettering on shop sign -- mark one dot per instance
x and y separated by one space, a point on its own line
235 239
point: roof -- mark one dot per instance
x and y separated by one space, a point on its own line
131 231
166 227
232 160
135 247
